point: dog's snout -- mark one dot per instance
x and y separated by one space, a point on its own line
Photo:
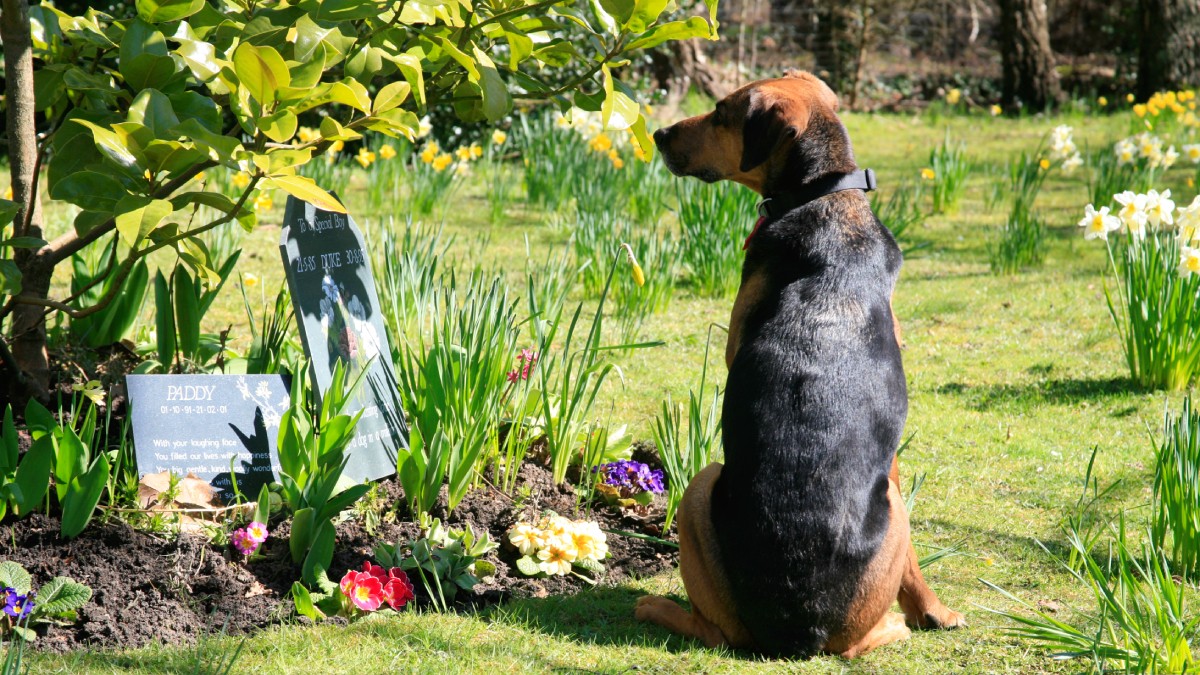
663 135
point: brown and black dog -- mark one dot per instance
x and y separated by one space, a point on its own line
800 542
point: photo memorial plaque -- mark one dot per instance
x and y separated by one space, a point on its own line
337 310
214 426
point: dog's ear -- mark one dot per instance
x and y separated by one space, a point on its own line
768 123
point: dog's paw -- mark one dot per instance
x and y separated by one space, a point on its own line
943 618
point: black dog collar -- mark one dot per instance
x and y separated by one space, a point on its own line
774 207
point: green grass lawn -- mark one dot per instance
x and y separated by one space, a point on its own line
1012 382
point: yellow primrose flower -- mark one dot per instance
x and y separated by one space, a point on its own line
1045 164
463 154
928 174
263 202
498 137
556 559
442 161
387 152
249 280
307 134
365 157
954 96
241 179
1103 101
600 143
476 151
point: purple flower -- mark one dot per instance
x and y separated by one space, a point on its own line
16 605
633 476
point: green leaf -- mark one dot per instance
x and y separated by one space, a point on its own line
164 321
187 314
10 277
280 126
15 577
190 105
148 70
71 460
305 189
302 533
618 110
390 96
261 71
83 497
114 144
343 10
162 11
320 555
304 602
693 27
220 148
8 209
214 200
60 595
137 216
528 566
497 101
642 136
460 56
11 451
33 475
645 13
410 68
39 420
262 508
484 568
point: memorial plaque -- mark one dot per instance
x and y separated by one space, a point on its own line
215 426
337 311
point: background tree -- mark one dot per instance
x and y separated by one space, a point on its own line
1029 78
131 108
1169 45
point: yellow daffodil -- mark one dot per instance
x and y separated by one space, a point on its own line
442 161
263 202
639 153
1140 110
996 109
476 151
336 147
1103 101
1129 98
928 174
199 178
249 280
1044 164
498 137
386 152
307 134
954 96
600 142
240 180
8 193
365 157
463 154
429 153
616 160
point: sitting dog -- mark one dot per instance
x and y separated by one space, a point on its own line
800 542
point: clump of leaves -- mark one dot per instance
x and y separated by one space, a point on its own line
56 602
445 560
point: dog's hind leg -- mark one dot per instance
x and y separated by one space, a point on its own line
890 628
713 619
922 608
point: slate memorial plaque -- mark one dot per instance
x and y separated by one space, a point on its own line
337 311
209 425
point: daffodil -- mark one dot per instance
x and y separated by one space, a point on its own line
996 110
600 142
1189 261
616 160
249 280
1097 224
1124 150
498 137
263 202
1133 211
462 169
1044 164
1187 221
639 153
1103 101
307 134
241 179
336 147
1192 152
463 154
424 127
1129 98
1071 163
928 174
1159 208
954 96
1140 110
476 151
429 153
442 161
1169 158
386 151
365 157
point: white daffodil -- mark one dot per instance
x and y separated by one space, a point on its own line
1133 212
1160 209
1192 152
1187 222
1071 163
1097 224
1169 157
1189 261
1125 151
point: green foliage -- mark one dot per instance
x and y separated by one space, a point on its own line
183 303
312 457
56 602
900 212
79 478
24 479
713 221
1175 507
91 281
269 336
141 104
950 170
1020 241
685 456
444 560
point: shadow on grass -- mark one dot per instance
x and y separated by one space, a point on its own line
598 616
1054 392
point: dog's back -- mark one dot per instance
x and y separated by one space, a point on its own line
801 506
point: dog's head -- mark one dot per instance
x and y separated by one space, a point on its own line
755 133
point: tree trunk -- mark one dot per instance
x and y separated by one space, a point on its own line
28 331
833 46
1169 45
1027 62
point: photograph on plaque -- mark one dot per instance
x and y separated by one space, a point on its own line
337 311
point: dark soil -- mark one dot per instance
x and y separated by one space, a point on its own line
149 588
